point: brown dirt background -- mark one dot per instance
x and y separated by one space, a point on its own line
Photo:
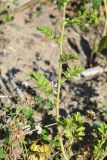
24 49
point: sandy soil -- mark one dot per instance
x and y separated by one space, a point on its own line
23 48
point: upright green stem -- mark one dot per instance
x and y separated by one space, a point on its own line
59 84
105 26
60 65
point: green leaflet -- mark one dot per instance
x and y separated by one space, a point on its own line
66 57
82 17
2 154
47 31
43 84
103 128
103 43
15 2
28 112
72 72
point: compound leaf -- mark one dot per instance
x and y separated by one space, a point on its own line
73 127
72 72
66 57
47 31
43 83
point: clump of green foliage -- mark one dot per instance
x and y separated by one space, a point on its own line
100 141
71 127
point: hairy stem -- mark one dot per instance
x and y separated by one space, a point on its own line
59 85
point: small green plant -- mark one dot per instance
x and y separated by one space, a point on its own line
45 86
70 128
100 142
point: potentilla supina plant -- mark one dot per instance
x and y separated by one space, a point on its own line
73 129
